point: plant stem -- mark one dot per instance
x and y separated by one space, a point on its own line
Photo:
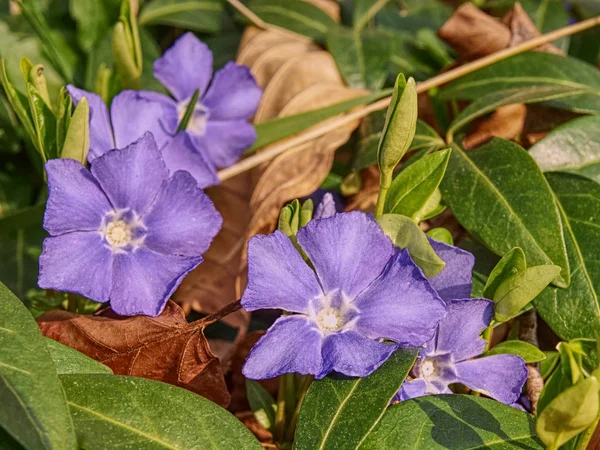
587 435
279 427
72 303
487 335
384 185
291 429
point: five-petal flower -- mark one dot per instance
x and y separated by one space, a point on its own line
364 291
124 231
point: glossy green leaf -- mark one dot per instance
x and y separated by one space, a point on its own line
529 70
405 233
364 11
530 353
498 193
573 147
342 412
453 422
77 140
494 100
571 412
574 312
511 263
519 289
362 58
196 15
68 360
407 56
416 184
442 235
299 17
277 129
432 207
262 403
549 363
34 408
109 410
44 122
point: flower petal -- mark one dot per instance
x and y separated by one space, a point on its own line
473 315
400 304
411 389
292 344
278 277
186 66
78 262
348 251
181 154
132 177
133 113
454 281
326 207
101 134
143 280
233 94
182 220
75 201
223 143
352 354
499 376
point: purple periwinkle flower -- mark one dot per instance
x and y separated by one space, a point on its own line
362 291
447 358
125 231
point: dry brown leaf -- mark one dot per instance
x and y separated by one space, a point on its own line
164 348
263 435
522 29
267 64
506 122
473 33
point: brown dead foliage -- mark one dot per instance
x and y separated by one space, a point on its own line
164 348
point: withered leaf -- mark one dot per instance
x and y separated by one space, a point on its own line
506 122
522 29
164 348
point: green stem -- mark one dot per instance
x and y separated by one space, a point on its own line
291 429
279 427
72 303
487 335
587 435
189 111
384 185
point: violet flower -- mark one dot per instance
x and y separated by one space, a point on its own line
124 232
364 291
447 357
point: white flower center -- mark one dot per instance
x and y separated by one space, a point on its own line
197 123
427 368
118 234
329 319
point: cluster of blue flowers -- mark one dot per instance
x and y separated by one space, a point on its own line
129 230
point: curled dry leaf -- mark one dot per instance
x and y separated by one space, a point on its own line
506 122
164 348
522 29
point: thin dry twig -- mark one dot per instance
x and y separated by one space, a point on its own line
312 133
528 333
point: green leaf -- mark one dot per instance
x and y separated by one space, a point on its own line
574 312
571 412
127 49
573 147
416 184
549 363
93 19
341 413
196 15
77 140
34 408
529 70
68 360
530 353
453 422
405 233
498 193
262 404
442 235
277 129
494 100
300 17
511 263
362 58
44 122
364 11
413 15
518 290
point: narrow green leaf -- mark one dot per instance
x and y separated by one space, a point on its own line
341 413
453 422
189 111
511 263
530 353
299 17
575 312
405 233
77 140
442 235
44 122
364 11
549 363
498 193
126 48
68 360
197 15
34 408
93 20
416 184
63 116
571 412
533 70
109 410
573 147
516 291
262 403
38 80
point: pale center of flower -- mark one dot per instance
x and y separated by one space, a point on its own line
118 234
427 368
198 120
329 319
